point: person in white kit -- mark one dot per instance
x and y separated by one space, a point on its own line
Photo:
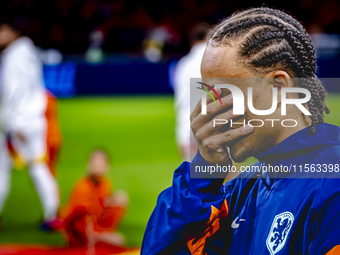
188 67
22 119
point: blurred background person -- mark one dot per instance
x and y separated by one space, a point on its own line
93 212
54 136
188 67
22 117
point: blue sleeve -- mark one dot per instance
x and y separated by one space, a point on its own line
326 224
184 213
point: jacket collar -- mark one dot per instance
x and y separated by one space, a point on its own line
300 148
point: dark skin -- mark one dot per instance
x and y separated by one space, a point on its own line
222 62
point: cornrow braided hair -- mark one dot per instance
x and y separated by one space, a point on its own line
269 39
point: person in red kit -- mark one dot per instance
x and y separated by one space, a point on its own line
93 213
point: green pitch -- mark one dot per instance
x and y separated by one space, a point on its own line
139 134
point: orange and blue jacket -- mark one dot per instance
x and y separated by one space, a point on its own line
284 212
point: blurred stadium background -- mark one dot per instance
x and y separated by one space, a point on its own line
111 63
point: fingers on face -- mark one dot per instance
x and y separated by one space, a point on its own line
219 120
211 125
210 99
211 110
218 141
214 108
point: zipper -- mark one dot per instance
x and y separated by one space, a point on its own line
270 188
261 176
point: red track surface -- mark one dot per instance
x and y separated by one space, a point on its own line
41 250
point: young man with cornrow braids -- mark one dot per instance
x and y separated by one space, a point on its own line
256 213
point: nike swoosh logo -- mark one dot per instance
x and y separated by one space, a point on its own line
234 224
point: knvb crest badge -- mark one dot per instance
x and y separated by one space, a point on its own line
279 231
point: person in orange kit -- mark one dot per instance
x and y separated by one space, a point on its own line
54 136
93 213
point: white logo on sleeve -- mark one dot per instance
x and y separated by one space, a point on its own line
234 224
279 231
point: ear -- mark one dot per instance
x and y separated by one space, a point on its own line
280 79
